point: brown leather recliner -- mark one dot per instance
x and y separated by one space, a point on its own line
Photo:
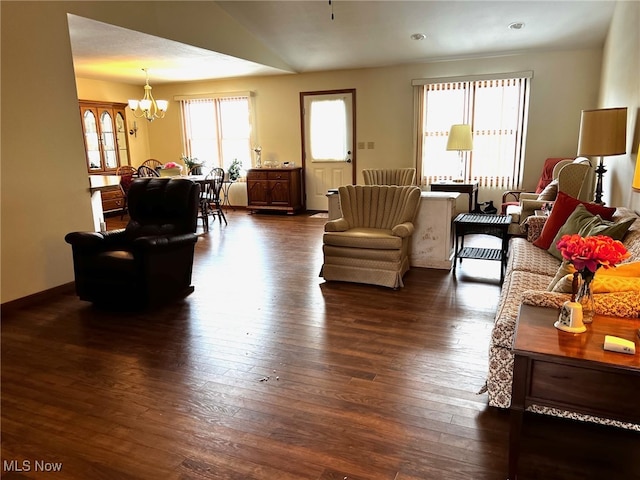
151 260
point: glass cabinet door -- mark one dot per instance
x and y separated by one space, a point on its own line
108 141
91 140
121 138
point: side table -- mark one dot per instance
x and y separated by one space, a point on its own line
470 189
226 186
486 224
571 372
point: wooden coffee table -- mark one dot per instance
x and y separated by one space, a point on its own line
572 371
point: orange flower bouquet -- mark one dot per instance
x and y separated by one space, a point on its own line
588 254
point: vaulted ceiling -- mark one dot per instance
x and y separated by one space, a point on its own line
361 34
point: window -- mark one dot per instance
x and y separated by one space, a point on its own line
496 109
218 130
328 130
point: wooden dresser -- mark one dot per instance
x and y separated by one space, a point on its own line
111 194
275 189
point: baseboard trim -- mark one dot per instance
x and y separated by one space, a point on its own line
30 300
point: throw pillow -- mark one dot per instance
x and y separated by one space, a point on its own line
562 208
585 224
550 192
602 284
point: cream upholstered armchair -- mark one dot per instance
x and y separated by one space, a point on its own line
370 242
575 178
392 176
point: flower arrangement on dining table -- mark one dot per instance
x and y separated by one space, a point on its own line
587 255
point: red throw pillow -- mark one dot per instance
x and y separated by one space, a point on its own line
562 208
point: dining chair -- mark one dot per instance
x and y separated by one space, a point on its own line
147 171
126 173
210 197
152 163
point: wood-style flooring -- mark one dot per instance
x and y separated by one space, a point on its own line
268 372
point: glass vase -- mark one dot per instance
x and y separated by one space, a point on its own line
585 298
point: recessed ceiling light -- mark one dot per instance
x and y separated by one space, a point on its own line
418 36
516 26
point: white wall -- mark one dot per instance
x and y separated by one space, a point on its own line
620 87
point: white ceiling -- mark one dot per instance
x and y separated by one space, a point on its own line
362 34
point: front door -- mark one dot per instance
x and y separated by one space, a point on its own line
328 153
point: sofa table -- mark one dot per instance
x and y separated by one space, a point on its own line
470 189
485 224
572 372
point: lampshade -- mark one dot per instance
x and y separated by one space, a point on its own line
603 132
460 138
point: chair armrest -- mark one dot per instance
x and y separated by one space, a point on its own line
529 207
511 196
158 242
95 239
528 196
403 230
337 225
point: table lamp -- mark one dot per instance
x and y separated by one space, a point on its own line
603 132
460 139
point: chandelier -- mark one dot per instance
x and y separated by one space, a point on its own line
148 107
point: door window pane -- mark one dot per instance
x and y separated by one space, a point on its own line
328 127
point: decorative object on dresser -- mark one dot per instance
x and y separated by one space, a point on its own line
280 189
151 259
602 133
370 242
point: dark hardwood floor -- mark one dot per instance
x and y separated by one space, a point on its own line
267 372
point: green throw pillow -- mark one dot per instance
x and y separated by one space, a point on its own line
585 224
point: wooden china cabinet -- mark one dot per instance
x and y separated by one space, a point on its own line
104 128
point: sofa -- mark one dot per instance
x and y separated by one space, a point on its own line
530 272
370 242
